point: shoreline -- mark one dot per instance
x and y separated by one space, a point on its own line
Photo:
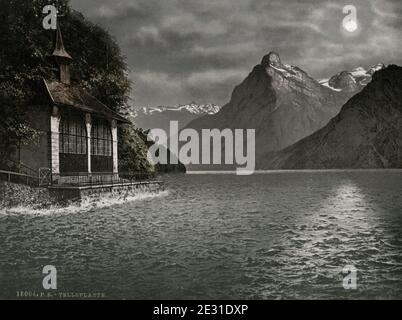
16 195
217 172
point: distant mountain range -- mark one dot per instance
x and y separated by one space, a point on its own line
367 133
192 108
160 117
283 103
350 120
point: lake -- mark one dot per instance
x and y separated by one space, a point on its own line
276 235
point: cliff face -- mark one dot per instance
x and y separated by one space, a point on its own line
367 133
282 102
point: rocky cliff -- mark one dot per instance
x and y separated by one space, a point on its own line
282 102
367 133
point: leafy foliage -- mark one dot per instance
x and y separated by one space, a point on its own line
132 150
25 58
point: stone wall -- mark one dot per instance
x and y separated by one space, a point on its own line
16 195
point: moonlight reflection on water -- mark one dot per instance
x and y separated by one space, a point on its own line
276 235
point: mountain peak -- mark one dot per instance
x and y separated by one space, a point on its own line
377 67
271 59
353 80
365 134
280 101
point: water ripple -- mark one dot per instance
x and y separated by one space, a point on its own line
274 236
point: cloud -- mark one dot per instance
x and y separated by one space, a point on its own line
147 35
232 50
184 50
210 78
160 86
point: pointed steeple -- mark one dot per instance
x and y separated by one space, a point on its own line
63 59
59 50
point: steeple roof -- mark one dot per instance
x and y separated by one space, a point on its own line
59 50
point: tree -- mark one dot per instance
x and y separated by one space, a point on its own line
25 49
132 150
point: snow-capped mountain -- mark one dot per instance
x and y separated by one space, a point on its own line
351 81
281 102
367 133
160 117
193 108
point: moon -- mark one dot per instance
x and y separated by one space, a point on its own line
350 26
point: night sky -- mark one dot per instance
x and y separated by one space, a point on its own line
180 51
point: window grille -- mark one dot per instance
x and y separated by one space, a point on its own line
101 139
72 136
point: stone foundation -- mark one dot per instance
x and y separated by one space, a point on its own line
16 195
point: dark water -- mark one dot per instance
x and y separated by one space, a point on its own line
277 235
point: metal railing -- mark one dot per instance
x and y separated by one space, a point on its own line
81 179
78 179
21 167
19 178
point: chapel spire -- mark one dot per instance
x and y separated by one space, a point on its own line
63 59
